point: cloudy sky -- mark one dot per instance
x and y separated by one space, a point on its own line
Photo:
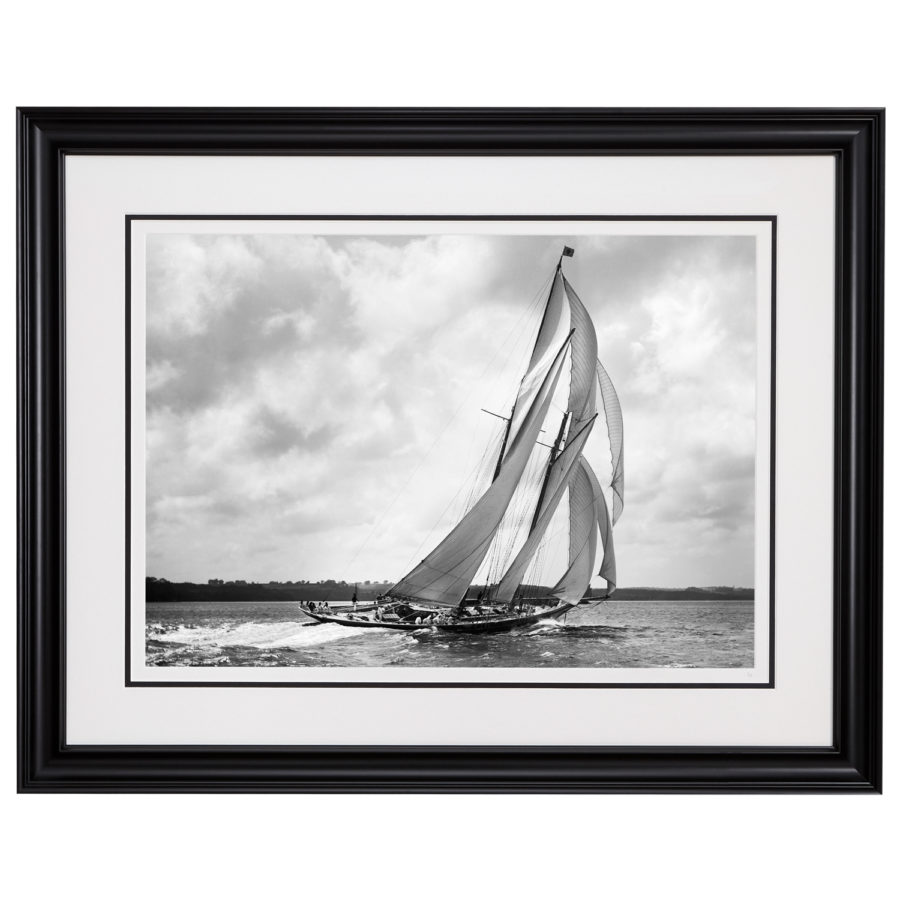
314 403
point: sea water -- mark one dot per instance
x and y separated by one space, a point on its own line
614 634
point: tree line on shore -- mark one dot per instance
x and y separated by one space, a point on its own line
160 590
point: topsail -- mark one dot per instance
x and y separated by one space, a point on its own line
552 331
583 387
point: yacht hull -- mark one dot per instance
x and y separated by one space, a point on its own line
470 625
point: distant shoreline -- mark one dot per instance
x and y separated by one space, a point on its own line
188 592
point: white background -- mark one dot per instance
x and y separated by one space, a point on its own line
467 53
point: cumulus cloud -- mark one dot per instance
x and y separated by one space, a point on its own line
313 403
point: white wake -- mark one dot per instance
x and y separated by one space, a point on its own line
262 635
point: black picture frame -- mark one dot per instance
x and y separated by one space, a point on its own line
852 763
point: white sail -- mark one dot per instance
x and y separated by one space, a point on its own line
583 387
587 511
553 329
567 464
613 410
582 402
582 538
443 577
608 565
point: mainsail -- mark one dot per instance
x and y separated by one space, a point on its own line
444 576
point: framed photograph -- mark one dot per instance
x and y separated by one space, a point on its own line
323 429
426 397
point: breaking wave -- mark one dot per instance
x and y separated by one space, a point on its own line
259 635
545 625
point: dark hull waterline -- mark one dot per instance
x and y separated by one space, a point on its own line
472 625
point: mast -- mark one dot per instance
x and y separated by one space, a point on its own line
547 302
567 418
554 455
512 412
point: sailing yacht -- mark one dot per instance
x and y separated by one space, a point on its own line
435 593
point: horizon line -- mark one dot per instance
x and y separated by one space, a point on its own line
221 582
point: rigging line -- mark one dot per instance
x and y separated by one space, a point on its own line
462 505
475 384
490 451
503 532
491 538
524 511
547 538
549 535
442 573
518 515
529 336
476 477
453 499
543 554
558 530
508 531
538 560
458 562
412 563
532 577
477 549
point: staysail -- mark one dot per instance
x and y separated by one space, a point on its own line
587 511
582 538
567 465
608 565
444 576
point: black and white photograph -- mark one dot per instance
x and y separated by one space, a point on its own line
293 284
378 450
